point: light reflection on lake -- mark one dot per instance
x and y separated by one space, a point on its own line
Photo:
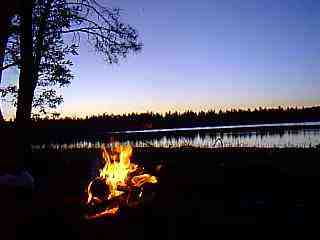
208 138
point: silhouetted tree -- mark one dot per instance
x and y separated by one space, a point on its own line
98 125
52 19
7 10
38 49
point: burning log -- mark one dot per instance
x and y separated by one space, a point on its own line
100 189
120 183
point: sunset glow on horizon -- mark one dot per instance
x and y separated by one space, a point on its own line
201 55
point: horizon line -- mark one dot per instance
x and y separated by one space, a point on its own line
195 111
82 116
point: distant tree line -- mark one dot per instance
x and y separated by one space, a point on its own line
101 124
139 121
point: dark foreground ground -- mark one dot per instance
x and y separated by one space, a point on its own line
197 188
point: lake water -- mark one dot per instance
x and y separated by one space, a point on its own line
264 135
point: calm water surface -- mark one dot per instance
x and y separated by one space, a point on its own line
264 135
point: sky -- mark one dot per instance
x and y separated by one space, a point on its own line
204 54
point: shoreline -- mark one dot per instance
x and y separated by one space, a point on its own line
237 127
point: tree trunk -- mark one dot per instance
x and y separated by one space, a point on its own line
4 27
38 49
25 92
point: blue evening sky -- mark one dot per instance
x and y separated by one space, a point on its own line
205 54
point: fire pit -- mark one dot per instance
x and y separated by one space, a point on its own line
120 183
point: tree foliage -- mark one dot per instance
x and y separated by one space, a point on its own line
58 27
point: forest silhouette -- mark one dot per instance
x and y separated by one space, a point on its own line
99 125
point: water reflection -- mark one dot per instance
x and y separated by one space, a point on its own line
204 139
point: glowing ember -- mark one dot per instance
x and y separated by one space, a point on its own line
118 180
107 212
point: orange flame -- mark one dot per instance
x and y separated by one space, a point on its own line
116 173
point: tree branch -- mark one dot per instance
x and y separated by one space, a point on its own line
99 35
80 29
9 65
99 14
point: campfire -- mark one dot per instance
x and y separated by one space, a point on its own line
120 183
